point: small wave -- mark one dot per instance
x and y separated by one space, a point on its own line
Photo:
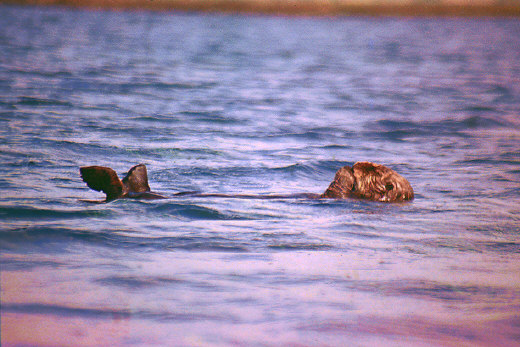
113 86
7 105
137 282
208 117
301 169
310 134
7 184
76 148
28 162
201 243
496 162
173 152
179 85
398 130
145 281
155 85
502 94
27 264
42 236
48 237
313 170
335 146
157 118
232 171
43 73
511 155
33 213
65 311
30 101
110 313
192 211
502 247
298 246
477 109
438 291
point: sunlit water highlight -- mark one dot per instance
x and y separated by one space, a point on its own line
258 105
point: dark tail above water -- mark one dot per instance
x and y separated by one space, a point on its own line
134 185
364 180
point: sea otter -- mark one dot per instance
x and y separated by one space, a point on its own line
364 180
370 181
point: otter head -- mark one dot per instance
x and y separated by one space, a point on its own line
369 181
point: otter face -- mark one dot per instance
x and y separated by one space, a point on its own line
370 181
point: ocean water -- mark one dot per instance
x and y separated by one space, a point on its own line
258 105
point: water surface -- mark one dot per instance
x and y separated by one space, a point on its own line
258 105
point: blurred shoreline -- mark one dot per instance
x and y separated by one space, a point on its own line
301 7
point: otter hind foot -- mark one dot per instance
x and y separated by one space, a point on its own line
134 185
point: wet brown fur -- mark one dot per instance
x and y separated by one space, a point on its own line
370 181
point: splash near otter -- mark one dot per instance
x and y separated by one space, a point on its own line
364 180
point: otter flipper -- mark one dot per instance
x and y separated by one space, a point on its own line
136 180
103 179
134 185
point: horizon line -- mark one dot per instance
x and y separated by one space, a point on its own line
292 8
